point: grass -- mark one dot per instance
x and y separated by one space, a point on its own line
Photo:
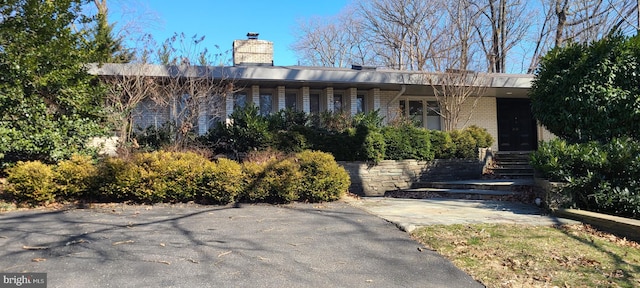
500 255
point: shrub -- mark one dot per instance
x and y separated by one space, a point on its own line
119 178
276 181
466 145
247 131
252 190
154 177
222 183
76 178
374 147
442 144
323 179
290 141
407 142
421 143
600 177
178 174
154 138
31 183
481 135
397 143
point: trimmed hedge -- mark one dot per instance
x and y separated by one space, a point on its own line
31 183
180 177
323 178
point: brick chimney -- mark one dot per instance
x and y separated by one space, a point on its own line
252 52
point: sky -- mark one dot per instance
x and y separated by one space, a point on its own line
222 21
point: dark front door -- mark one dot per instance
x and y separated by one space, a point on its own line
516 126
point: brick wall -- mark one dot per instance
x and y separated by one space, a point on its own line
484 115
252 51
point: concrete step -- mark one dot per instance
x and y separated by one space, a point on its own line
510 170
468 194
492 184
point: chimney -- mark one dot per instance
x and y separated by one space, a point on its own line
252 52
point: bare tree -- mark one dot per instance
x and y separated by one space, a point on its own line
401 31
581 21
125 91
503 26
195 90
453 89
336 41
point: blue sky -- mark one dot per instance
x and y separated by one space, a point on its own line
223 21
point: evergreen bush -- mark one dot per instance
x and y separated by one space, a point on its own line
31 183
76 178
322 178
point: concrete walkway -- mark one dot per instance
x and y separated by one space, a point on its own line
409 214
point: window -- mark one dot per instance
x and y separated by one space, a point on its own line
337 103
239 100
360 103
314 103
290 101
415 111
266 103
433 116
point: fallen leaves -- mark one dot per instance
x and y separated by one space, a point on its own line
38 260
224 253
25 247
75 242
526 256
122 242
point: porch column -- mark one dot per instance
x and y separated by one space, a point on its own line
328 92
228 107
255 95
352 101
280 98
373 100
203 118
304 92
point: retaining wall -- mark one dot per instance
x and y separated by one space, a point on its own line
388 175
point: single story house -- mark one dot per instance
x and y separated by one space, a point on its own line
503 108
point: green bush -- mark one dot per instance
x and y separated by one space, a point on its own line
374 147
466 145
290 141
323 179
76 178
155 138
222 183
600 177
481 135
31 183
248 131
407 142
274 181
442 144
154 177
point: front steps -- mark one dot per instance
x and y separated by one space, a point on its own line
509 178
510 165
520 190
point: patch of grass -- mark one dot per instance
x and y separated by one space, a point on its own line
500 255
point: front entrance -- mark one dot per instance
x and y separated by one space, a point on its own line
516 126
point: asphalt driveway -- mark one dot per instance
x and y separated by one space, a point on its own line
186 245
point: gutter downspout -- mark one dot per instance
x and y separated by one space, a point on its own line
403 88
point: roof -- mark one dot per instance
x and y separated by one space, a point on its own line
501 85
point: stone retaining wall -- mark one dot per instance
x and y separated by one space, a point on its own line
388 175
